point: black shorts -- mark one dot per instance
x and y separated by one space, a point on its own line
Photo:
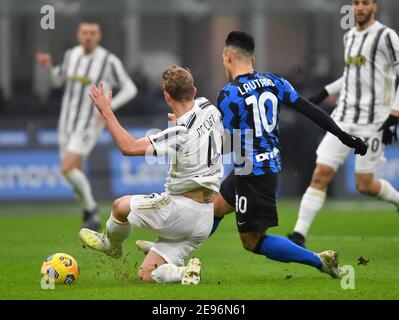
254 200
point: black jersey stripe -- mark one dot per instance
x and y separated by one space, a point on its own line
205 104
373 67
191 121
168 136
358 83
82 88
347 70
70 90
100 76
65 63
115 74
391 49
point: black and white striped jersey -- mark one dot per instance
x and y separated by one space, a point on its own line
77 73
367 88
194 147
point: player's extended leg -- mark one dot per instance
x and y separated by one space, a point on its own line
118 228
223 202
380 188
220 209
331 153
71 168
282 249
366 166
312 202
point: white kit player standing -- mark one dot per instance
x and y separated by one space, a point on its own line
79 124
182 216
368 107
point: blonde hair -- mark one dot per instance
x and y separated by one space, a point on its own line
178 82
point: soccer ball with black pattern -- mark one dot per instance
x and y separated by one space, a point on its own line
60 268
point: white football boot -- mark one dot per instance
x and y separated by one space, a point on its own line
329 260
144 246
100 242
192 274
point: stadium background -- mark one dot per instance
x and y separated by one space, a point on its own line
301 40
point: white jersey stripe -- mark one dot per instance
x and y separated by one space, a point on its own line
358 82
347 71
82 90
373 76
66 101
89 118
391 50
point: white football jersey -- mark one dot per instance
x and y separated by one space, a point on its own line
367 88
194 147
77 73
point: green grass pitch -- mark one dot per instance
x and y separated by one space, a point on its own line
228 271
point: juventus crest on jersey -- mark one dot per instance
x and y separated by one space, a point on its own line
77 72
368 83
194 146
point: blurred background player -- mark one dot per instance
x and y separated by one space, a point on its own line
181 216
251 103
79 125
367 107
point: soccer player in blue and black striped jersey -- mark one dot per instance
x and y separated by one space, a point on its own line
250 106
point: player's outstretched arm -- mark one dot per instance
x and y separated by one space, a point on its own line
321 118
56 74
128 145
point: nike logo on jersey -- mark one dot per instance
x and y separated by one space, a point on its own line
241 223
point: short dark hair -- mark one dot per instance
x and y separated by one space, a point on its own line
179 83
89 20
241 40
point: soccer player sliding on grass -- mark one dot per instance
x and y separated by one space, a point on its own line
182 216
251 104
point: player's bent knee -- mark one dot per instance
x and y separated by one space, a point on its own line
121 208
364 187
145 274
322 176
65 168
221 207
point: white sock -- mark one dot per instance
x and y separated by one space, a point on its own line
81 186
388 193
117 231
168 273
312 202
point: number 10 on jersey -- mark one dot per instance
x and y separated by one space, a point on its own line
259 111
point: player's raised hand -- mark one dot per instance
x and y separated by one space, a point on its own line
44 59
389 130
102 102
353 142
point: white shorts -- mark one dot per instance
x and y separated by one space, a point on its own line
333 152
180 223
79 142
